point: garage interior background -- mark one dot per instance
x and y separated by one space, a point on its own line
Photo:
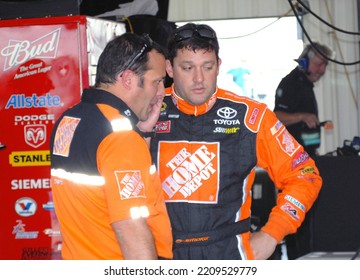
338 91
335 23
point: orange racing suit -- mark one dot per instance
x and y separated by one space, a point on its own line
206 156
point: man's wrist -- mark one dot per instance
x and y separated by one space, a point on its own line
150 134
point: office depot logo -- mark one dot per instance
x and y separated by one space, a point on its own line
18 52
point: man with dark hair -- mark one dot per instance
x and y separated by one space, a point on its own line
107 193
208 144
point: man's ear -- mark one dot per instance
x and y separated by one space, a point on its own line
126 78
169 68
219 63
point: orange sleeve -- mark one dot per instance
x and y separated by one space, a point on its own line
133 183
293 172
124 161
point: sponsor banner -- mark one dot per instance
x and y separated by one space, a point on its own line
41 76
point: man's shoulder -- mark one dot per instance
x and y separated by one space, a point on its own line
295 75
235 98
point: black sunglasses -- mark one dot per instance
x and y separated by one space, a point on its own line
201 31
145 48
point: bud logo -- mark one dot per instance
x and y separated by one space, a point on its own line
18 52
191 173
130 184
35 134
25 207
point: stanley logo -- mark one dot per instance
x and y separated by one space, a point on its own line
30 158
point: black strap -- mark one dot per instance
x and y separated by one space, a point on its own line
187 239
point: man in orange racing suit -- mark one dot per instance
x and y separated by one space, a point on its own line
107 194
208 143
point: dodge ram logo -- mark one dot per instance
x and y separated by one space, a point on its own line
35 135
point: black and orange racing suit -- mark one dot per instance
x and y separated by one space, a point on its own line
206 156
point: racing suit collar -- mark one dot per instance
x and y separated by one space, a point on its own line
99 96
190 109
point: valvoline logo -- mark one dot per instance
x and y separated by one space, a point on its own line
25 206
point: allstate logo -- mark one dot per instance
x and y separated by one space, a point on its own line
227 113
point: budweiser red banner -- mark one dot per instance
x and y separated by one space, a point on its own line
43 69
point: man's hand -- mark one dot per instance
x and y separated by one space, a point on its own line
149 124
311 120
287 119
262 244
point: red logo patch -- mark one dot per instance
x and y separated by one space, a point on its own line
163 127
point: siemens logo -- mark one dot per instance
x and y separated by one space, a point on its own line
20 101
31 184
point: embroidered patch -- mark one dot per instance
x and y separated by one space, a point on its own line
307 170
189 171
64 135
288 208
163 127
254 115
287 142
130 184
296 202
299 159
276 128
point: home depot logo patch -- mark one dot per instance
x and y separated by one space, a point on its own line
287 142
189 171
64 135
130 184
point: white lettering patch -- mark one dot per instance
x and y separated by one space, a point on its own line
130 184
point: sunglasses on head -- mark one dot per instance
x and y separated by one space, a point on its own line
201 31
145 48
